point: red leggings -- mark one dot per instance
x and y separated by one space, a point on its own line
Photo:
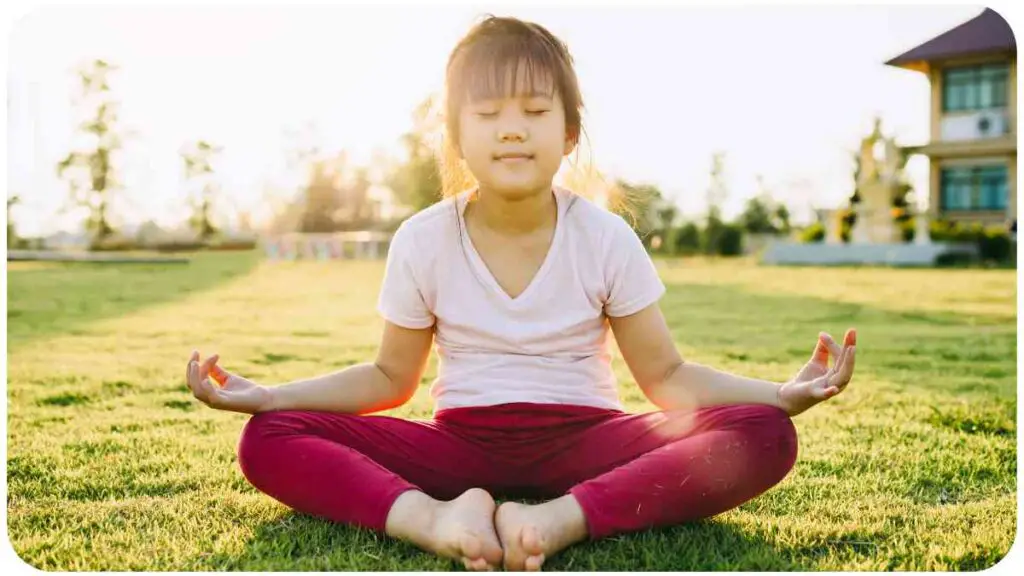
628 472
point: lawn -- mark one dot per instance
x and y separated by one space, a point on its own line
113 466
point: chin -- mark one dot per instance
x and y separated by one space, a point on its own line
516 191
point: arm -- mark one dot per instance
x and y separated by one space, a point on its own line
387 383
667 380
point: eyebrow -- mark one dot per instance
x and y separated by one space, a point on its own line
533 94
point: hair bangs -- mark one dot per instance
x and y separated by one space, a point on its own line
505 68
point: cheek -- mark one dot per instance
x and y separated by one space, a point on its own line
553 137
471 142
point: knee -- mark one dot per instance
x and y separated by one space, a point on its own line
256 446
773 431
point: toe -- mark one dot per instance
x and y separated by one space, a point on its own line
479 564
533 542
493 553
533 563
470 546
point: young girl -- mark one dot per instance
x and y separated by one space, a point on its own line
519 283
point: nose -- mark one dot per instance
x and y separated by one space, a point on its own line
512 135
512 130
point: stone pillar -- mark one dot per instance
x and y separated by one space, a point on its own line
922 231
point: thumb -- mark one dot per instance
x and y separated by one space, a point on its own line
821 349
219 374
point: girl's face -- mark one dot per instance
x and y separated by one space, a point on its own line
514 144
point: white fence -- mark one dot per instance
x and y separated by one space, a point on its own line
364 245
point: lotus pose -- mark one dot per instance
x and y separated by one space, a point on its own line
519 284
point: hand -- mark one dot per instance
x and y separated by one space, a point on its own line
815 382
234 393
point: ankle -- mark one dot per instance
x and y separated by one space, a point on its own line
568 513
411 516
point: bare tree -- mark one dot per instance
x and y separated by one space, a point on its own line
91 171
198 158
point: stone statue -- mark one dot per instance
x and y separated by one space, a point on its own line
876 188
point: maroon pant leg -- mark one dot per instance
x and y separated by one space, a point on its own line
350 468
637 471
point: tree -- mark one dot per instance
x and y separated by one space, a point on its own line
90 171
763 215
782 217
354 211
757 216
198 163
321 198
12 233
718 190
715 197
417 181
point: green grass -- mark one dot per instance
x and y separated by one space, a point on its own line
113 466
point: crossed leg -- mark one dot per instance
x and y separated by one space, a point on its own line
413 480
632 472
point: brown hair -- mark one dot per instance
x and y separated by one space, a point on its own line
485 63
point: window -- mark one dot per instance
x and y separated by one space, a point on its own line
966 88
974 188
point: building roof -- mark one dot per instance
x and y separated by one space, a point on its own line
986 33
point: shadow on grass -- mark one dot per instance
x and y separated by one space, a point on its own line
702 303
65 297
297 542
729 324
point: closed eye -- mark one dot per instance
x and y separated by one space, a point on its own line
536 112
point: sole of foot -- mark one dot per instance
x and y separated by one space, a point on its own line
463 529
524 542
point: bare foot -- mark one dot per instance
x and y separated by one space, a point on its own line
462 529
532 534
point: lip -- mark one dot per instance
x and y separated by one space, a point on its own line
513 157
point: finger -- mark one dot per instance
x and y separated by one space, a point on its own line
204 369
195 356
837 363
824 389
194 380
850 339
210 396
842 373
218 374
820 355
833 348
848 365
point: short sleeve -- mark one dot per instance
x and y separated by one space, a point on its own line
401 298
633 281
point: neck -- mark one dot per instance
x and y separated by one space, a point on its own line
515 216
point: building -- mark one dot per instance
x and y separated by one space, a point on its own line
972 149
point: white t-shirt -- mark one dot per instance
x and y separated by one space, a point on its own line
550 344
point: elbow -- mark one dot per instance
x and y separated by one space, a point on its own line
404 392
666 376
661 387
401 388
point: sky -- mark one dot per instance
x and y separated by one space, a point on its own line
786 92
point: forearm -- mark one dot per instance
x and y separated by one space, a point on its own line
692 385
359 389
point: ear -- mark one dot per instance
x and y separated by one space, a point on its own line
570 145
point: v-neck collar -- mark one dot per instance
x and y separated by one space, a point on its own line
479 267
